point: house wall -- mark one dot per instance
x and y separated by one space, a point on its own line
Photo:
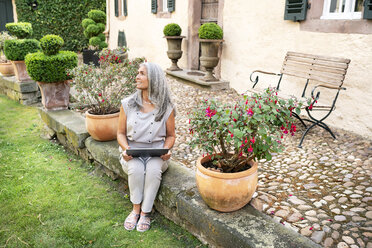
144 31
257 37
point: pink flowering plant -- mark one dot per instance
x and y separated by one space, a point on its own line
252 128
101 89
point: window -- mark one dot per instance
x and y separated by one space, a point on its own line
342 9
163 7
121 8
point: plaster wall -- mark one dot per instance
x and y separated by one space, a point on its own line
144 31
257 37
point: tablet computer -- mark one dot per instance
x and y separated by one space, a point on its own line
147 152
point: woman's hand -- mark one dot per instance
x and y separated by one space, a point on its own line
167 156
125 156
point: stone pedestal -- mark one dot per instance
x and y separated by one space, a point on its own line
26 92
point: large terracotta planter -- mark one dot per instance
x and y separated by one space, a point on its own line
174 51
55 96
226 192
102 127
20 71
6 69
209 57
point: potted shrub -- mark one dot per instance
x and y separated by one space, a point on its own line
210 37
16 49
234 136
100 91
49 69
172 32
6 68
94 26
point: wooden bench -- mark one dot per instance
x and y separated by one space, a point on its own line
323 73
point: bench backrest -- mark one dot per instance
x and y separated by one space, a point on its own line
328 70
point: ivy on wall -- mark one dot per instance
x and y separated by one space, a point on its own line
59 17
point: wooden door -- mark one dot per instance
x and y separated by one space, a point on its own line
6 13
209 11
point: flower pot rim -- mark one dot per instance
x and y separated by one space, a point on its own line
174 37
6 63
211 40
64 81
233 175
105 116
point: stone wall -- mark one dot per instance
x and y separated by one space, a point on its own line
25 92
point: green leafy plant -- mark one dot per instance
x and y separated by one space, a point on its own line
210 31
172 29
51 65
21 30
50 44
3 37
94 26
102 89
62 18
252 128
16 50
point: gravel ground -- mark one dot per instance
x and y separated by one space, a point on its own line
322 191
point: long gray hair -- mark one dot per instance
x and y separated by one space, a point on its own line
159 93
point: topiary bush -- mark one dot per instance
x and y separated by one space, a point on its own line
16 50
94 27
50 44
49 68
21 30
172 29
210 31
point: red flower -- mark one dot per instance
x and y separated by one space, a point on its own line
250 149
310 107
99 94
103 100
253 140
235 120
232 135
210 112
250 112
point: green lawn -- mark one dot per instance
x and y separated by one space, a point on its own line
49 198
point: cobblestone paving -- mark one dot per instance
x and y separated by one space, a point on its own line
322 191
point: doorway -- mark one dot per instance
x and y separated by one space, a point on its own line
6 13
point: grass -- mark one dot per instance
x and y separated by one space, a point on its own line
49 198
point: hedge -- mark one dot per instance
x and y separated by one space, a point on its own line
49 69
172 29
21 30
50 44
210 31
61 18
17 49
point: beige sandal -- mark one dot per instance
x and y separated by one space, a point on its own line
143 224
131 221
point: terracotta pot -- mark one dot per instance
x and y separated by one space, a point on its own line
226 192
209 57
174 51
6 69
55 96
20 71
102 127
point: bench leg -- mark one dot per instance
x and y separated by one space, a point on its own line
300 119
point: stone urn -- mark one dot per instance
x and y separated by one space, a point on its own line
226 192
102 127
209 57
6 69
174 51
55 96
20 71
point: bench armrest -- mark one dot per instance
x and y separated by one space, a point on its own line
255 81
315 94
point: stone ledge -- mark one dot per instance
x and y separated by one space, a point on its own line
179 200
195 77
26 93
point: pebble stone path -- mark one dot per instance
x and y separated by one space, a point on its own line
322 191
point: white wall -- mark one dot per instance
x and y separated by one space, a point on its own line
144 31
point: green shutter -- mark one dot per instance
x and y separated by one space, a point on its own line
295 10
122 41
116 8
171 5
154 6
125 8
367 13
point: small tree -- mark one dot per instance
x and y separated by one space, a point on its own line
94 26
